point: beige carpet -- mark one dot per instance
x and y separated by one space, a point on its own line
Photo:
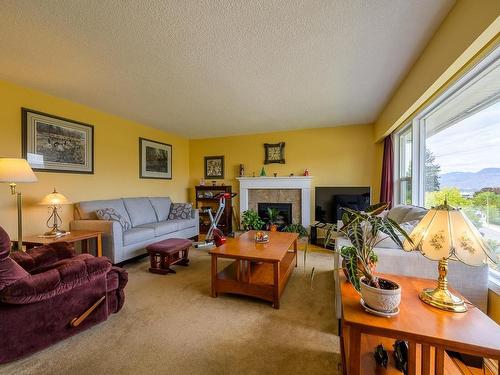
170 325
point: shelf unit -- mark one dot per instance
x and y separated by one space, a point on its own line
204 201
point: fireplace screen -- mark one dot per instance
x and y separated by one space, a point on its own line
285 212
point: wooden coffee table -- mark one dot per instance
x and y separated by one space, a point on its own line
258 270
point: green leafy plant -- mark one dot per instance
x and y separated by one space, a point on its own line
273 215
351 267
363 229
251 220
296 228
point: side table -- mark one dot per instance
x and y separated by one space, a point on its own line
429 331
85 236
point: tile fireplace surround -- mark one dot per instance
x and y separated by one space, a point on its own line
295 190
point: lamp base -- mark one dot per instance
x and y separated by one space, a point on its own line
443 299
55 232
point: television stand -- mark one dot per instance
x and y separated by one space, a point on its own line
319 240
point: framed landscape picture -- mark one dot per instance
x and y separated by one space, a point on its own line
214 167
155 159
56 144
274 153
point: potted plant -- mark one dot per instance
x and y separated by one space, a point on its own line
366 230
251 220
273 216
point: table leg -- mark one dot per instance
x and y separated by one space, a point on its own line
214 276
439 363
276 286
295 248
343 333
354 354
99 245
426 359
412 357
85 246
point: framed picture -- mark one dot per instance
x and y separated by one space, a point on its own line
214 167
155 159
56 144
274 153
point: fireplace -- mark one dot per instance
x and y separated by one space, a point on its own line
295 190
285 211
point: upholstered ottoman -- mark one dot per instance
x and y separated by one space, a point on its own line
168 252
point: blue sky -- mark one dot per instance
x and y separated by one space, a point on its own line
470 145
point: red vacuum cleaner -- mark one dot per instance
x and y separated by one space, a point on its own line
215 237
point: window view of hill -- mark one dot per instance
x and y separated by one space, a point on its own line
462 165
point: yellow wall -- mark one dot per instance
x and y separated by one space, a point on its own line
494 306
116 159
465 22
334 156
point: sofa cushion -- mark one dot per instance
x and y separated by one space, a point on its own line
180 211
112 214
135 235
164 227
161 205
140 211
68 275
10 271
41 256
87 210
397 213
415 214
184 223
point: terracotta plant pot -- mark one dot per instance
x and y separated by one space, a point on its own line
273 228
380 299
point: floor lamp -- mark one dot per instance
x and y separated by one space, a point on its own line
13 171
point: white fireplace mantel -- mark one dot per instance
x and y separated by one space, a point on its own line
303 183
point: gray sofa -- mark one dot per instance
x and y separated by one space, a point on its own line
471 282
148 218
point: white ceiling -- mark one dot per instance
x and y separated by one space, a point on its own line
220 67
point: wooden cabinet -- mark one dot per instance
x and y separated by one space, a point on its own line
430 332
205 200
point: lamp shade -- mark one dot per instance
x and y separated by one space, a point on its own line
16 170
445 232
54 199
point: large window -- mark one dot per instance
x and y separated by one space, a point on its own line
451 150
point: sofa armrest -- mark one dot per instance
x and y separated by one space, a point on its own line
112 234
43 256
46 285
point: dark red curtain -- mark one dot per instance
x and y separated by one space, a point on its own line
387 188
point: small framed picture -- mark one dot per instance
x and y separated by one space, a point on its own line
155 159
274 153
56 144
214 167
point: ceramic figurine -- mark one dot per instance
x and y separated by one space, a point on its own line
262 172
242 170
306 172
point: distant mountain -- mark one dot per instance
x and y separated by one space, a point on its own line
471 181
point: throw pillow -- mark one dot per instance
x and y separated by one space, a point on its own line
180 211
112 214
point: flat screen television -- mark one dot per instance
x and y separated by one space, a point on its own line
329 202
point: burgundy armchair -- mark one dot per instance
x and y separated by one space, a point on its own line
49 293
